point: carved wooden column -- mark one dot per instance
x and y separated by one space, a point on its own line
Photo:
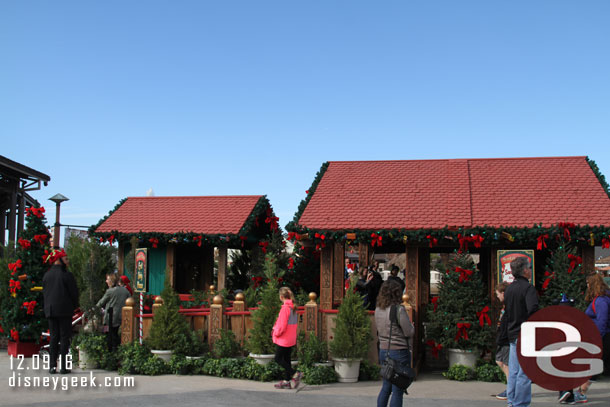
326 289
170 263
588 258
238 322
128 323
311 316
222 267
121 260
413 291
338 272
216 320
363 254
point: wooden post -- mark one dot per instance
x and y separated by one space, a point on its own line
170 264
311 316
222 267
158 303
21 214
413 291
216 320
128 323
326 289
409 309
121 261
363 254
238 322
338 272
588 258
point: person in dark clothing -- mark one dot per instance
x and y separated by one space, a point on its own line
60 295
394 276
521 301
372 286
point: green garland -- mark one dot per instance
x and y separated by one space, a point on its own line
599 175
254 226
447 237
293 224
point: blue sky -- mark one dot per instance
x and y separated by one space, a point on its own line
111 98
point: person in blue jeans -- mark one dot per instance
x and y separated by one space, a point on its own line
390 295
521 301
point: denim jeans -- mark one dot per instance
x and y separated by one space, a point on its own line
403 356
519 386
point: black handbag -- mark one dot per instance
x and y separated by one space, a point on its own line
391 370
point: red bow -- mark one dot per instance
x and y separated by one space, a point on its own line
434 348
376 240
14 334
320 246
111 240
41 239
272 221
319 236
434 302
291 263
243 240
38 212
30 307
263 246
549 277
464 240
605 243
25 244
464 274
574 261
15 266
198 239
14 286
483 316
478 241
433 240
542 241
462 330
566 229
154 242
292 236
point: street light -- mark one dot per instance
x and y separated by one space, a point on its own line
58 199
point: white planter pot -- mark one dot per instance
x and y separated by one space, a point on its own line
84 362
262 359
194 357
165 355
328 363
462 357
347 369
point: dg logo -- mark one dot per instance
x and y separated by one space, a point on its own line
560 348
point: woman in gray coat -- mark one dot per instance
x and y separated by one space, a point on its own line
113 302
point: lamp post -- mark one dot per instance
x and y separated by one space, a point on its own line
58 199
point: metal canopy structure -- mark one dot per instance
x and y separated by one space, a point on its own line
15 181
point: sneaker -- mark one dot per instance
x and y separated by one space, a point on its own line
579 397
296 379
501 396
568 400
282 385
564 395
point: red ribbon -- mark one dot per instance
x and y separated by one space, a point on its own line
25 244
434 348
291 263
30 307
272 221
574 261
434 302
463 243
433 240
462 330
111 240
542 241
483 316
15 266
605 243
41 239
549 277
154 242
263 246
38 212
464 274
198 239
14 334
376 240
478 241
292 236
243 240
566 229
14 286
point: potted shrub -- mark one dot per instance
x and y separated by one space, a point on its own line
311 351
168 328
226 346
91 348
351 335
458 320
259 344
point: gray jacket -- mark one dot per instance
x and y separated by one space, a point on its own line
402 334
114 299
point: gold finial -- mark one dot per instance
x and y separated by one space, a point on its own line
158 300
217 300
240 297
405 298
130 302
212 288
313 297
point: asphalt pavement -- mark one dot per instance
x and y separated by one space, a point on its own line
28 385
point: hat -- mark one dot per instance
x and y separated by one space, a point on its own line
55 255
125 279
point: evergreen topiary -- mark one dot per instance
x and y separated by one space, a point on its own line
352 331
459 318
168 328
564 275
264 317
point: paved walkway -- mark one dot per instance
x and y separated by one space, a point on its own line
430 390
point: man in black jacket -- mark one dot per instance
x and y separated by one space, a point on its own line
60 300
521 302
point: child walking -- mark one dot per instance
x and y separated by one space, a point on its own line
284 335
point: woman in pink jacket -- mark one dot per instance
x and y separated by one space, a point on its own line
284 335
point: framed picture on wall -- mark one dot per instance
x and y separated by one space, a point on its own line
504 259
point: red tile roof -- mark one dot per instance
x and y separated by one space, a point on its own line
431 194
172 214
